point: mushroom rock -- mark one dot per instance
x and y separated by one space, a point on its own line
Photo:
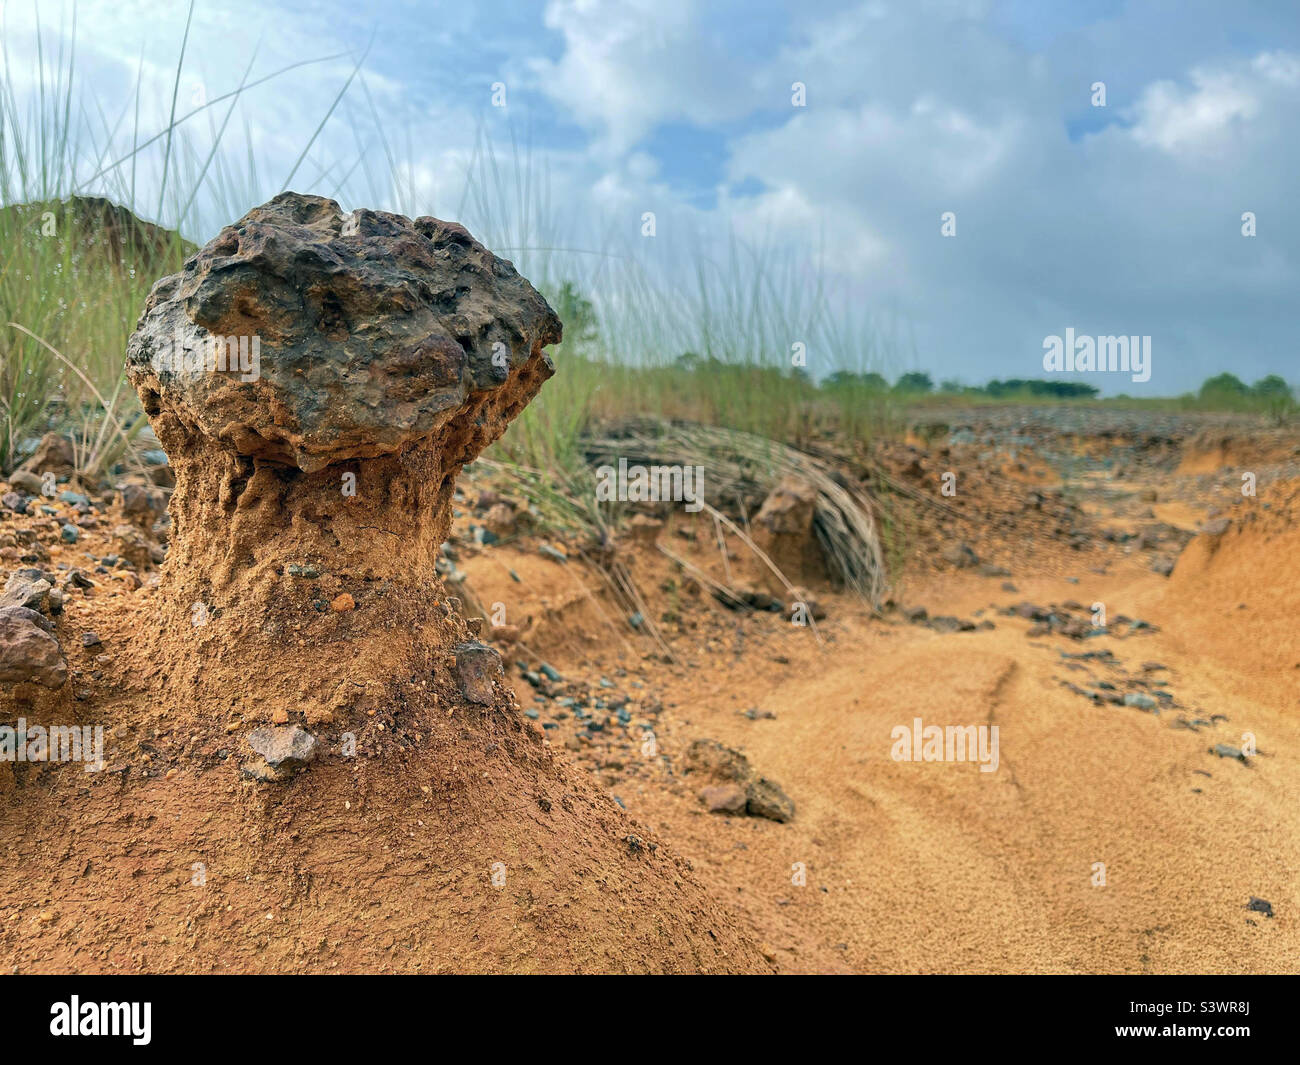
318 379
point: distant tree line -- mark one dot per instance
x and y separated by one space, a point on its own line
915 383
1222 390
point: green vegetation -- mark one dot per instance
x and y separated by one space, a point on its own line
743 337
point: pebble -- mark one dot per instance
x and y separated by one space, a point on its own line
1258 905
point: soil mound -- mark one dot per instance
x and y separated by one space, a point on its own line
309 762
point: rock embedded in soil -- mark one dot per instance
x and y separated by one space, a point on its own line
478 667
289 746
1258 905
29 654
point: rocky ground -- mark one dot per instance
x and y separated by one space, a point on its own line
1097 586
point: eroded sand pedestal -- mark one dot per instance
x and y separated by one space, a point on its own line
415 821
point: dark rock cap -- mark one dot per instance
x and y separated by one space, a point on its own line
307 336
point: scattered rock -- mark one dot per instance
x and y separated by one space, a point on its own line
1224 750
54 454
25 614
1258 905
25 588
962 556
29 654
142 505
26 481
783 529
724 798
343 603
763 797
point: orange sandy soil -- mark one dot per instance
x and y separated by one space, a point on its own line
910 867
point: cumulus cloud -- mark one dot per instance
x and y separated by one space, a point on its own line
1124 219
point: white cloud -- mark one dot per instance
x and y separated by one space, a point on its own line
629 65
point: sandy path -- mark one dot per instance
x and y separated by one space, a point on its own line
938 867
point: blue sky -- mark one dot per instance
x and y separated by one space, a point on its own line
1123 219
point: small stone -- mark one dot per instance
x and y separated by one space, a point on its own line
478 666
1224 750
724 798
26 481
1142 702
292 747
28 653
23 589
1258 905
343 603
70 534
962 556
90 639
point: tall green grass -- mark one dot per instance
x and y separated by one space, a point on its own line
724 332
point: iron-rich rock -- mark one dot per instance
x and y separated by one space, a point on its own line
724 798
725 765
28 652
478 667
961 555
375 331
362 346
